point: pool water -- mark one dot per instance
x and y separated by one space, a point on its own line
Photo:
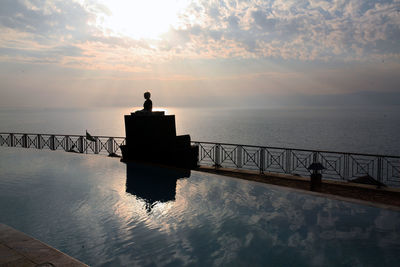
108 213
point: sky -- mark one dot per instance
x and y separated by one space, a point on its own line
232 53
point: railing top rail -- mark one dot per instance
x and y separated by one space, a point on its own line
230 144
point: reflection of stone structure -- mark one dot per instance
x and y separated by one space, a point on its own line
151 136
151 183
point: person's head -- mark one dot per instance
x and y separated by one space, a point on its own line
147 95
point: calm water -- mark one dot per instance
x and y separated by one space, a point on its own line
107 213
363 130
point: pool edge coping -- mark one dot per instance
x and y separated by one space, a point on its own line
24 249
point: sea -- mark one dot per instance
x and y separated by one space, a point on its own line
373 130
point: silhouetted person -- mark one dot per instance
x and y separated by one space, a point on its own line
148 105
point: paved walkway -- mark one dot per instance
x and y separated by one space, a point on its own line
19 249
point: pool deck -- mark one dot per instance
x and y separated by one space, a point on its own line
19 249
384 197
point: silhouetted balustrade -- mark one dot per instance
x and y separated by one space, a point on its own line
338 165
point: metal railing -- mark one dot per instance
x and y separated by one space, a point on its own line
338 165
71 143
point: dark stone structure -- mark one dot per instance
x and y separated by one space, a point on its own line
151 137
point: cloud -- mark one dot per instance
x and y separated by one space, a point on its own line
301 30
46 19
64 33
306 30
238 52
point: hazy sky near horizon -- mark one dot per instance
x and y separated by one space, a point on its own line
199 53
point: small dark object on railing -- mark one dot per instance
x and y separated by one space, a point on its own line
316 176
367 180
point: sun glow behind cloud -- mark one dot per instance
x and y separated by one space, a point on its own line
140 19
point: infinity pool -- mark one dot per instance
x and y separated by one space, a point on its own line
106 213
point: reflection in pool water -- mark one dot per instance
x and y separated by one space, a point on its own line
89 207
152 184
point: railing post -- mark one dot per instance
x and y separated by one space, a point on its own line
12 140
66 138
217 156
25 140
262 160
379 170
288 153
315 157
39 141
110 145
52 142
96 145
239 163
80 144
346 171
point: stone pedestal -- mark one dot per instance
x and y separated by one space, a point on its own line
151 137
